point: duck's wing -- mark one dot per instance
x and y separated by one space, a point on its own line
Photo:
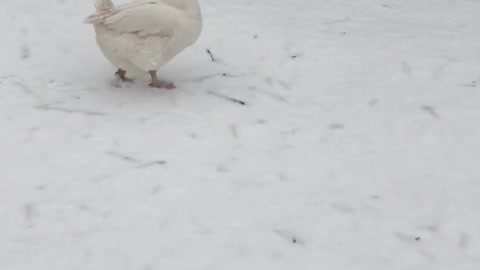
143 19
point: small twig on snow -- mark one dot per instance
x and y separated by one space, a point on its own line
211 55
430 110
238 101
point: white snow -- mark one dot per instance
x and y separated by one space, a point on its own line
358 146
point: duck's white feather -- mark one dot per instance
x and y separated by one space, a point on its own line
145 35
103 4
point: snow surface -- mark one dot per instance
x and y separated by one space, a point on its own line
358 146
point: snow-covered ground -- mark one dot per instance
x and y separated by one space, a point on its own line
358 146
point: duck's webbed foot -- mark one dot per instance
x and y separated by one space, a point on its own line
120 74
156 83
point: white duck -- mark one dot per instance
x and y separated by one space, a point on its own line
145 35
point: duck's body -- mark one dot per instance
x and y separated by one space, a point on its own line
145 35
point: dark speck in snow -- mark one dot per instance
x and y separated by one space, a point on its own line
24 52
373 102
336 126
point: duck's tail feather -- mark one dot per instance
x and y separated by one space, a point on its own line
103 5
104 8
